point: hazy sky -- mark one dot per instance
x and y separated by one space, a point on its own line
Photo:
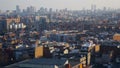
59 4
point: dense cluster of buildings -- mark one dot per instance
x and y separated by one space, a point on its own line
60 38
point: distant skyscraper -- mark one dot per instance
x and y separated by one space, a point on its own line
93 7
0 11
46 9
42 9
56 10
50 10
104 8
31 9
65 9
18 9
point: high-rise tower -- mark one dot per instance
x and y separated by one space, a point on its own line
18 9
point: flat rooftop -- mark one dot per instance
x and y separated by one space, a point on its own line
41 61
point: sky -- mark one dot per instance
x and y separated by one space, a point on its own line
58 4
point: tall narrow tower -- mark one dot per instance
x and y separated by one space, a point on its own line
18 9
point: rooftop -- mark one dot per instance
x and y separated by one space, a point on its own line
42 61
45 61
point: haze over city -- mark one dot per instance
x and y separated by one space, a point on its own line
58 4
59 34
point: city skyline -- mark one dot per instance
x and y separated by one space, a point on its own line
59 4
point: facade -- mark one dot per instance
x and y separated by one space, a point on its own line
38 51
87 49
62 36
116 37
10 23
3 26
97 48
47 52
41 23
